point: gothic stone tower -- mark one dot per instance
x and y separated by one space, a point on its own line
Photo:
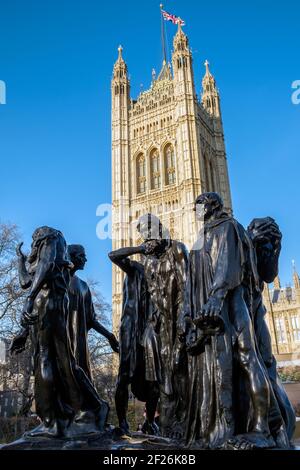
167 148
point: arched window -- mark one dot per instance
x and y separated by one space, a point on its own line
141 173
170 173
155 169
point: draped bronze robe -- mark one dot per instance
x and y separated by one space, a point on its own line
166 278
216 267
139 349
81 317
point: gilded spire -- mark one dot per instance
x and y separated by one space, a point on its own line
120 50
120 67
208 78
120 59
207 71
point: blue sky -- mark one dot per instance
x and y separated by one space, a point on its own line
56 58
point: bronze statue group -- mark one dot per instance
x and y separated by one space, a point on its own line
193 341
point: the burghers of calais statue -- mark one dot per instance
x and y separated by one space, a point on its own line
138 337
230 390
165 267
266 239
82 318
64 394
152 358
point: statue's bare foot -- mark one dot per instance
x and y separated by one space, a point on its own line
43 431
250 441
238 444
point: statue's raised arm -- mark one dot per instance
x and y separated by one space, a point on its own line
25 277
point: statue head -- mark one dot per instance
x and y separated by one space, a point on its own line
150 228
38 236
77 256
208 205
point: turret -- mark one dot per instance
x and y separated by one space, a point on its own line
210 97
120 88
183 63
120 84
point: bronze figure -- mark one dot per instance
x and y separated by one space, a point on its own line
81 319
139 349
65 397
194 343
220 336
165 266
266 239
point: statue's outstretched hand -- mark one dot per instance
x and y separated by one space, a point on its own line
114 344
18 343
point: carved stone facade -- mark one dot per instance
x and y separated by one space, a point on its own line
167 148
283 318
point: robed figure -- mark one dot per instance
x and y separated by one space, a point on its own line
165 266
266 239
46 275
81 319
220 336
65 397
138 337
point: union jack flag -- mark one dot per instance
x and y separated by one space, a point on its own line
175 19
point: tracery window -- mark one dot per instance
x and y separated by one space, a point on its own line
295 321
155 169
280 330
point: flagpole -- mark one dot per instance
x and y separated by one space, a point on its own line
163 42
